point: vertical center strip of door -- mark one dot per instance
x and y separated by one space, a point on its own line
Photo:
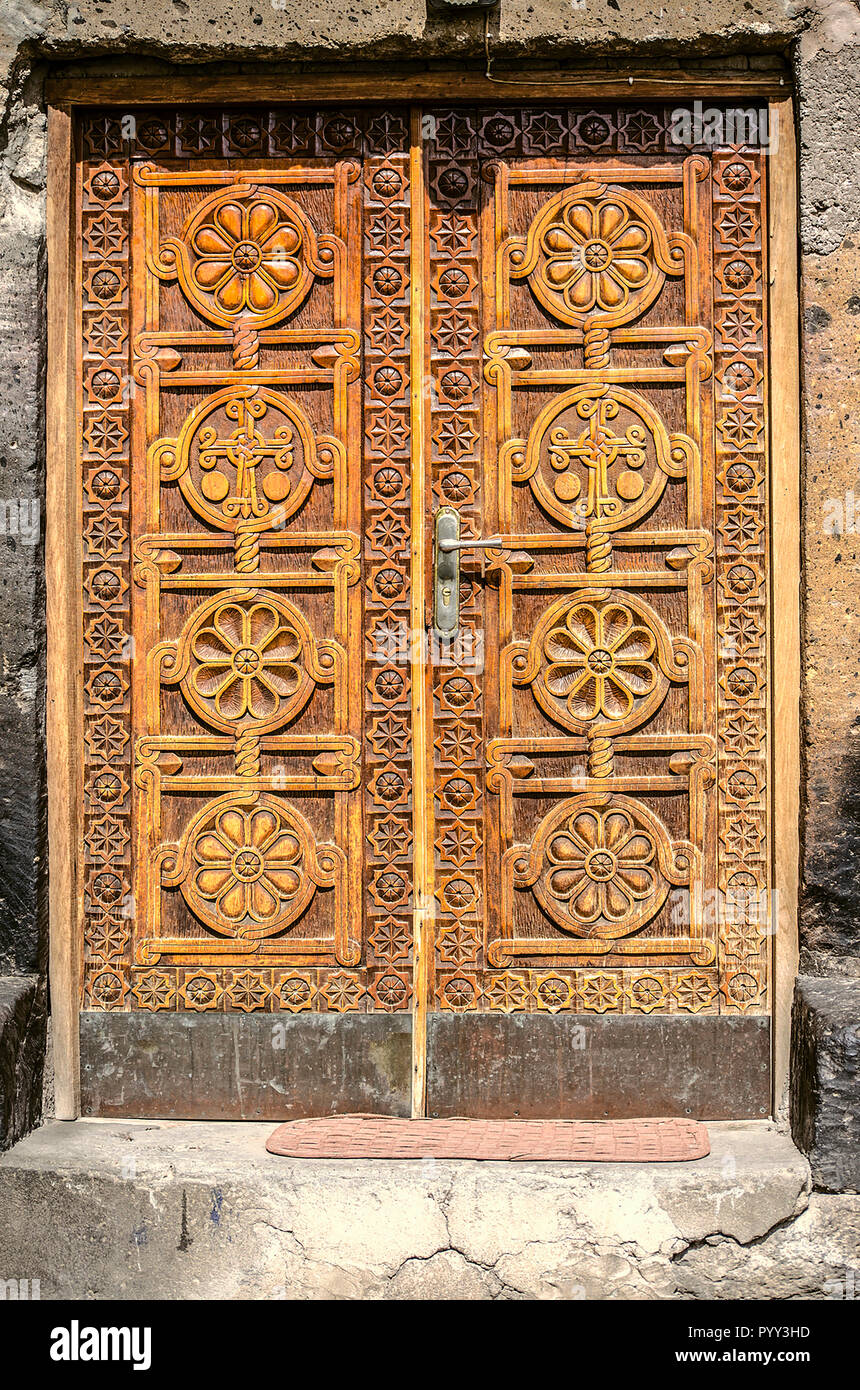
422 789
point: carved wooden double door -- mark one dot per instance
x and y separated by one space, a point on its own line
336 855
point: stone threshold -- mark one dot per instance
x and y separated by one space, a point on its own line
140 1209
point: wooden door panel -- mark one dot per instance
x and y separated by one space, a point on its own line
584 299
599 474
246 575
620 847
602 667
245 627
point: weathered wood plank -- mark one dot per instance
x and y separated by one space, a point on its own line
244 1067
585 1068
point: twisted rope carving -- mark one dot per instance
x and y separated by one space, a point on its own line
596 342
246 346
247 754
598 548
599 755
246 545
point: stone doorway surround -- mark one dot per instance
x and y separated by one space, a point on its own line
806 1235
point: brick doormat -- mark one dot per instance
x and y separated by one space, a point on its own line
599 1141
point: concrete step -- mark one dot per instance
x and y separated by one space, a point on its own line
186 1210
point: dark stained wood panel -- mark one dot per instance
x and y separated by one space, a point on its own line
597 1067
217 1066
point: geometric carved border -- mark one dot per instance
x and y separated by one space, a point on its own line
741 532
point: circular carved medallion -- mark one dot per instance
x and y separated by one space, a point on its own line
602 866
596 253
245 661
245 252
246 456
603 661
602 453
246 867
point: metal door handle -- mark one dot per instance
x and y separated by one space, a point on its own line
494 543
446 569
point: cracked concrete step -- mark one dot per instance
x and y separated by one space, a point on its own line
187 1210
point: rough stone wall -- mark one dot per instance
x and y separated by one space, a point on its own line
822 40
828 81
825 1079
22 1053
214 30
22 427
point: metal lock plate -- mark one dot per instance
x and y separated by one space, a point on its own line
446 573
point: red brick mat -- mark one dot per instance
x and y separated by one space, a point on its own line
600 1141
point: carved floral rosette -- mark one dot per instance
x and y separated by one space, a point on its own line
602 865
596 253
248 866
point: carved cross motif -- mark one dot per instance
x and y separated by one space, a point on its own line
244 450
597 448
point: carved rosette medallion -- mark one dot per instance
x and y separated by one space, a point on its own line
594 251
245 253
247 660
248 866
602 866
595 659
